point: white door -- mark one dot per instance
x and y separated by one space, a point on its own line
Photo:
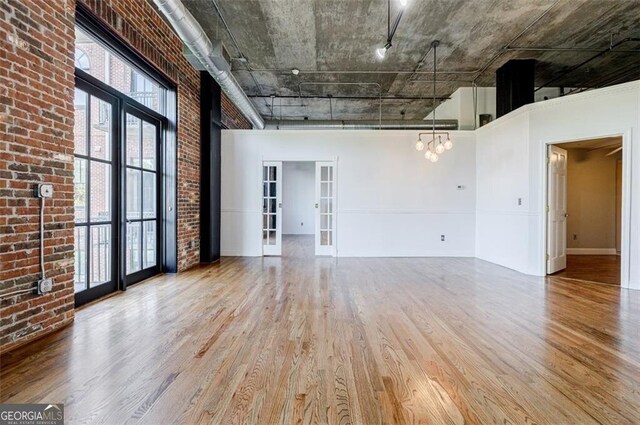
557 210
325 208
272 208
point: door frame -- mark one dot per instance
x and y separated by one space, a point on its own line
296 158
626 199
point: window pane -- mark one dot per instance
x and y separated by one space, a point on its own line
133 248
80 123
100 192
148 194
324 238
324 174
272 237
80 257
80 190
95 59
272 221
148 146
134 192
265 221
100 136
133 141
324 190
324 221
272 189
325 205
100 249
149 252
272 174
272 205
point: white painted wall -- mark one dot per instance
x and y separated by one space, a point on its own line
460 106
298 198
390 200
510 165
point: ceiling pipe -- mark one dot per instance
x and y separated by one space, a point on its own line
361 125
611 48
197 41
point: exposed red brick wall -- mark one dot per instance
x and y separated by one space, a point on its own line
36 146
231 116
143 28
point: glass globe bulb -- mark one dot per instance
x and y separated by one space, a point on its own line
434 158
428 154
440 148
419 145
448 144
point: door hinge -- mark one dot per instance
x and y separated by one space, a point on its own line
547 208
547 257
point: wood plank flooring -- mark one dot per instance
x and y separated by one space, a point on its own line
342 341
594 268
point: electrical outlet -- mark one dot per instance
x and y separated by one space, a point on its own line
575 237
45 285
301 224
460 187
44 191
519 201
442 238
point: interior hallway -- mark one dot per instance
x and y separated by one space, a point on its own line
593 268
348 340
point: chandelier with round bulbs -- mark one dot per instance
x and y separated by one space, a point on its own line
435 147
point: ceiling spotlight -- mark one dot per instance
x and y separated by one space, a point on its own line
382 51
419 145
295 71
403 3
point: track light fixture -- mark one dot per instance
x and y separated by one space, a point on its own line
382 51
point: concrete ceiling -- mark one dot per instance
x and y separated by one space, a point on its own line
333 41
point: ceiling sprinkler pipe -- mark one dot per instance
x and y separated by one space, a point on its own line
197 41
361 125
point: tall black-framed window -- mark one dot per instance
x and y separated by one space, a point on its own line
125 164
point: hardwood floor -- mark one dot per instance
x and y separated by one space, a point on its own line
337 341
594 268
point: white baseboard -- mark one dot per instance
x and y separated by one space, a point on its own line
591 251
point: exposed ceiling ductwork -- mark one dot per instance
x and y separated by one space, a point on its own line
194 37
360 125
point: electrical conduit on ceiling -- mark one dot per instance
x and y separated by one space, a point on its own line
197 41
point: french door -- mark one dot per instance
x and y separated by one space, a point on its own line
95 204
325 208
141 196
272 208
117 192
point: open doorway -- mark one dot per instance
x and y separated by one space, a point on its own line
298 208
584 214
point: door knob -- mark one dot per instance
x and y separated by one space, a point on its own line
316 205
